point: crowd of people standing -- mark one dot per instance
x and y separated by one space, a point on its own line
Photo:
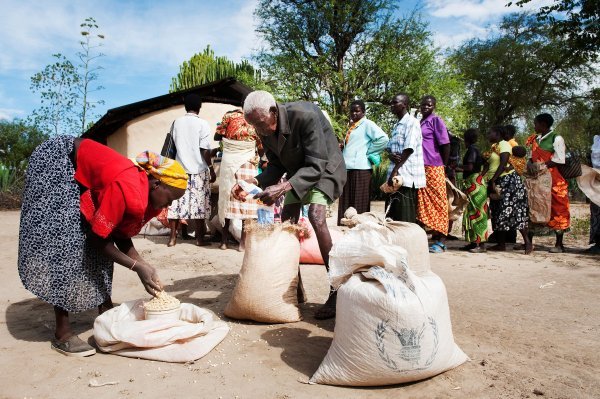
83 202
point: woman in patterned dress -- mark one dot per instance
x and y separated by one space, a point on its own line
240 162
82 203
509 208
475 218
548 147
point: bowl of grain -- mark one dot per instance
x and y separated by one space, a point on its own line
162 306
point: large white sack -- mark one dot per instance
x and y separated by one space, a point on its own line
392 326
123 331
266 289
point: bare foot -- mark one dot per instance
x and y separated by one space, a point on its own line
172 242
223 246
241 248
528 248
327 311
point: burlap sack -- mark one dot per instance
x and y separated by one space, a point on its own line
457 200
538 182
266 290
391 326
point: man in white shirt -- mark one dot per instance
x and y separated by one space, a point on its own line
191 136
405 150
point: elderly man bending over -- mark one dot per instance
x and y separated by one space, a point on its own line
299 141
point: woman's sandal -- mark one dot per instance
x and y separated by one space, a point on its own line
556 250
73 346
437 248
468 247
477 250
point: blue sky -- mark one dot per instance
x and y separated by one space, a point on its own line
147 40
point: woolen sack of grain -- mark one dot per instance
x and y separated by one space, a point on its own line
266 290
392 326
123 331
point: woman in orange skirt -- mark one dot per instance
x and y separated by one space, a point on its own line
548 147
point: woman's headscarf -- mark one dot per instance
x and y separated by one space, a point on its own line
164 169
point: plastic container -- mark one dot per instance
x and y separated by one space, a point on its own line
265 214
170 314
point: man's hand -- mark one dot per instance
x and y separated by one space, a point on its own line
272 193
149 278
395 157
213 175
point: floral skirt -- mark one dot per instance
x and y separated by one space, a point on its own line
195 203
511 211
56 261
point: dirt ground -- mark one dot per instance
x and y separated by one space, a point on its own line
530 325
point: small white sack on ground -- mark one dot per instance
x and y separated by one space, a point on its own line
123 331
155 228
266 290
392 326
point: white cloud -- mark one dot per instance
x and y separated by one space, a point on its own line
10 114
140 36
477 10
461 32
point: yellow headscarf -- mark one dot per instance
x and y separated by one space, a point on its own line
164 169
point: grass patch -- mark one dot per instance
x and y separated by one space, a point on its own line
580 227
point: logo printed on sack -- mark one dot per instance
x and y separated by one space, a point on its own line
410 340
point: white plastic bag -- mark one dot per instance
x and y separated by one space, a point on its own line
123 331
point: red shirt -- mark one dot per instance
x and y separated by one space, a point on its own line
116 200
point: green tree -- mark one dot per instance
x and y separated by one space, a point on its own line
333 51
56 85
88 71
64 88
519 70
205 67
17 141
577 21
580 122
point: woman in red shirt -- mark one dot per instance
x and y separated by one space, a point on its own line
82 203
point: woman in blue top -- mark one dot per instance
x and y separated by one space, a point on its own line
363 143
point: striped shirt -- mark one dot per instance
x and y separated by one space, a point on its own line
407 134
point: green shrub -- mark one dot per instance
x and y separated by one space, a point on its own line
11 186
378 178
